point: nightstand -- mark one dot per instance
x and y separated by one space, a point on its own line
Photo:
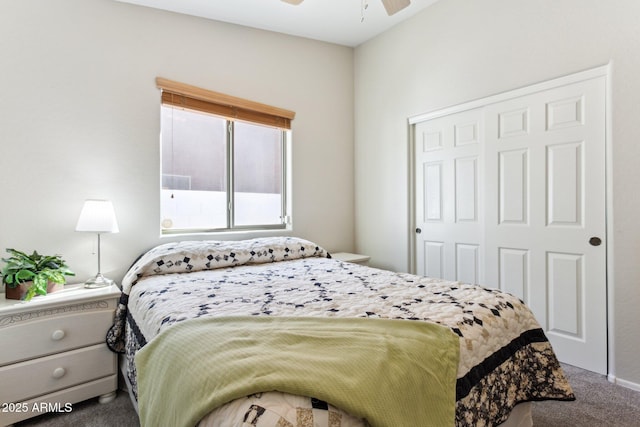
54 352
349 257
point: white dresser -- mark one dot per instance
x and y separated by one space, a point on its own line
53 352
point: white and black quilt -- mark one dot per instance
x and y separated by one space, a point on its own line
505 357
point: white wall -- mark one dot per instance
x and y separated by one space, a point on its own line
460 50
80 118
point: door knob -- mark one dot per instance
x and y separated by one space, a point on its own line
418 230
595 241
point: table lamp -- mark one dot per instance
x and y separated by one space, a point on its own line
97 216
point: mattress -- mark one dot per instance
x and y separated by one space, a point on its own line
505 358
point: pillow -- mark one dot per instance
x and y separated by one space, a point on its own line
188 256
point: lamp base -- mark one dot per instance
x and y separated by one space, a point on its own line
98 282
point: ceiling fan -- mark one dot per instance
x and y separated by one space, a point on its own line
391 6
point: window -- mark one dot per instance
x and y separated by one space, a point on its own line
224 162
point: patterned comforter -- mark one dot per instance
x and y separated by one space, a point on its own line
505 357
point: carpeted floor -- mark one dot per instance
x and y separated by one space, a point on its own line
118 413
598 403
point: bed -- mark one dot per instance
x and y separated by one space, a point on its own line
274 332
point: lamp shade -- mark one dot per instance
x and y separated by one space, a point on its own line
97 216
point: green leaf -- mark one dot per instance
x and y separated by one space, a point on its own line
30 293
54 276
24 275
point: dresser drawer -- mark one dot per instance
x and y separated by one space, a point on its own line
22 381
30 339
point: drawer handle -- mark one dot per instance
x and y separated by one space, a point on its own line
59 373
57 335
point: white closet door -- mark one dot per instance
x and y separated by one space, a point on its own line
449 214
511 195
545 238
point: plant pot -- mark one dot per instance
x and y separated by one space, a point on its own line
20 291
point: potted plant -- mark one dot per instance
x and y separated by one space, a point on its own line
25 275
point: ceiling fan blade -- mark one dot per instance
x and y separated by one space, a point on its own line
394 6
296 2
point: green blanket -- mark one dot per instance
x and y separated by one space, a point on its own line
390 372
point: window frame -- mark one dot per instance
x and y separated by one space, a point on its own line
232 109
231 226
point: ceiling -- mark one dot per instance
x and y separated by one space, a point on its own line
334 21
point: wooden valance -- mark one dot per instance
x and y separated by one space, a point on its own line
182 95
